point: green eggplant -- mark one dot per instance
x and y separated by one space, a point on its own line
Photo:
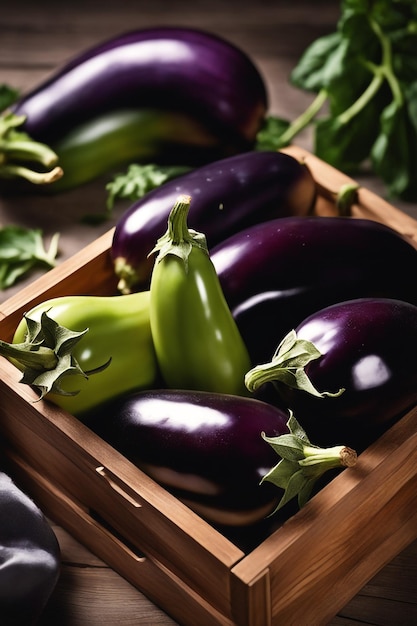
111 141
196 340
80 351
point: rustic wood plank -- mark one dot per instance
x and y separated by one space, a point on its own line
395 587
104 598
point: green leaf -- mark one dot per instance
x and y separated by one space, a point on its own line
411 99
346 145
389 14
365 72
358 50
269 137
8 96
394 154
404 58
12 272
139 180
317 65
358 34
21 250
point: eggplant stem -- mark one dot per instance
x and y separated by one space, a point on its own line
287 367
46 356
329 457
345 198
36 357
178 239
28 150
16 147
302 464
37 178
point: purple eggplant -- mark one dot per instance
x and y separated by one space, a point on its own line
205 447
176 69
227 196
363 377
163 95
30 557
216 452
275 274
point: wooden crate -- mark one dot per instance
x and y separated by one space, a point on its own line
301 574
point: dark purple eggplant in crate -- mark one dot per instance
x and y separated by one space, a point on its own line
216 452
348 371
275 274
227 195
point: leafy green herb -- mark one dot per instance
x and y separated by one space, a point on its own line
364 76
22 249
139 179
8 95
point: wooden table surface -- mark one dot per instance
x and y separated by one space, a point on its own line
35 39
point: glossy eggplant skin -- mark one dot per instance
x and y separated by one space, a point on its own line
275 274
180 69
29 557
227 196
205 447
369 348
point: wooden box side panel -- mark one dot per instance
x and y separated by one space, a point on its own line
59 447
368 205
343 536
156 581
251 599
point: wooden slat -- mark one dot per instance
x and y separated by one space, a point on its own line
146 574
59 447
369 205
345 534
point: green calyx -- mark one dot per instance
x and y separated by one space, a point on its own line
287 367
17 150
179 240
46 355
302 464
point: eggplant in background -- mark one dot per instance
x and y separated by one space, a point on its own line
29 557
